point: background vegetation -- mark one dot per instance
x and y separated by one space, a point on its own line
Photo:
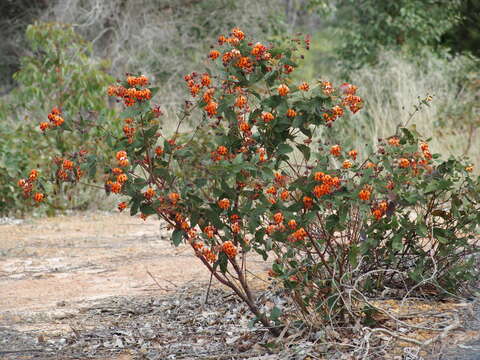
396 51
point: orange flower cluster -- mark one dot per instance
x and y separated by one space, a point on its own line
329 184
426 151
141 80
333 114
403 163
292 224
224 204
149 193
394 141
209 231
229 249
129 132
278 218
335 150
298 235
132 94
122 206
365 193
267 117
347 164
174 197
327 88
304 86
54 118
209 255
27 186
283 90
353 154
122 158
291 113
307 202
214 54
380 210
355 103
67 169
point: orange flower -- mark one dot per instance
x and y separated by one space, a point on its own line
336 182
292 224
370 165
238 33
116 187
222 150
288 68
321 190
347 164
394 141
122 206
307 202
283 90
124 162
229 249
327 87
214 54
299 235
174 197
377 213
44 126
21 182
284 195
291 113
318 176
38 197
258 49
278 217
159 151
469 168
209 255
267 117
236 228
335 150
403 163
364 194
197 245
353 154
240 101
208 95
224 204
121 154
122 178
67 164
383 206
272 190
211 108
244 127
303 86
206 80
33 175
150 193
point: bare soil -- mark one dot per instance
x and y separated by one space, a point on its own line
53 269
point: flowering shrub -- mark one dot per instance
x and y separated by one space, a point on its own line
261 180
60 71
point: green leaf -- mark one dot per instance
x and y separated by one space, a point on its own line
177 236
275 314
284 149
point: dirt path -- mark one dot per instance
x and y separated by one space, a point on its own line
55 273
87 256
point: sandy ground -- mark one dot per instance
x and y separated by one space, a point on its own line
69 259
